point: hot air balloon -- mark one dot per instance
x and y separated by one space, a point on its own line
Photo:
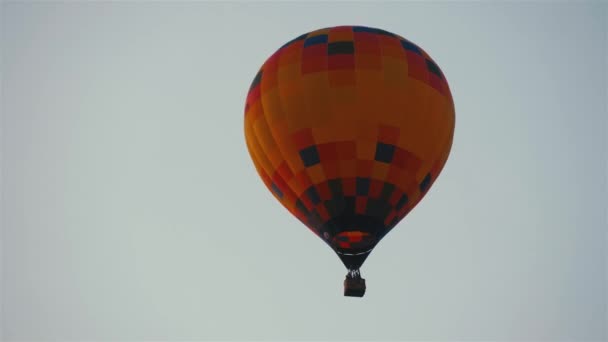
349 127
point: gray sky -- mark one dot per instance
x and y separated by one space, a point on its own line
131 209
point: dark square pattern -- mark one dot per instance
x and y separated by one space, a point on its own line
372 30
384 152
402 202
276 190
335 186
410 47
387 191
377 208
433 67
335 206
320 39
313 195
362 186
256 80
302 208
336 48
310 156
424 185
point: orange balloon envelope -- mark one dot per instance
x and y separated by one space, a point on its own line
349 127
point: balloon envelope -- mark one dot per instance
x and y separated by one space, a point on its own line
349 127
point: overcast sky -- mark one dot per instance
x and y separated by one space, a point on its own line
131 209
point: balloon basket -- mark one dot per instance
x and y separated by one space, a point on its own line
354 286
